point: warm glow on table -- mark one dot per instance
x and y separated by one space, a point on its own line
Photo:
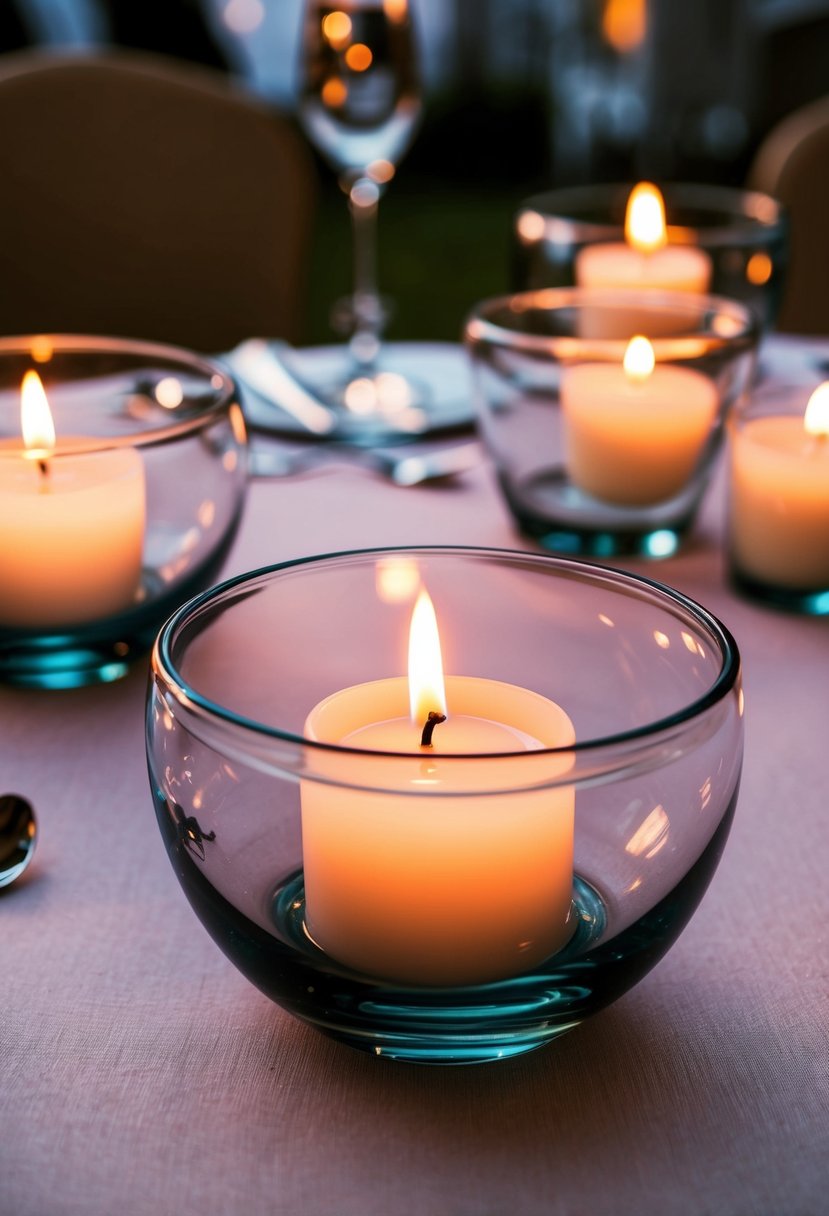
779 504
634 432
71 524
420 884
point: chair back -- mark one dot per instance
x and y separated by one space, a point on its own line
148 198
792 164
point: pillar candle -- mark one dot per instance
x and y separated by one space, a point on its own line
419 883
643 261
633 436
71 527
779 497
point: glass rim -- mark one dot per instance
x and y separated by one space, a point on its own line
755 211
220 380
164 669
479 326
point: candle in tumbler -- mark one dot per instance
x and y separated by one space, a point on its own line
644 261
453 888
634 432
779 496
644 258
71 525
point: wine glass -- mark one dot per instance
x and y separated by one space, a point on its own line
359 105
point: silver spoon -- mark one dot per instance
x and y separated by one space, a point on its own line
18 835
404 469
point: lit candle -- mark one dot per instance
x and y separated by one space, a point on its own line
644 258
422 884
71 525
634 433
779 501
644 261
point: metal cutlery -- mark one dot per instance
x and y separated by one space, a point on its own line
403 469
18 835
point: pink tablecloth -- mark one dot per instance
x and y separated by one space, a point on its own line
139 1073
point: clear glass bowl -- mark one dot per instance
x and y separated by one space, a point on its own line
592 460
124 515
485 903
744 233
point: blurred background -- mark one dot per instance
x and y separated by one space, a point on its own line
521 96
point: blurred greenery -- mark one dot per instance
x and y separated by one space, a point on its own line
440 248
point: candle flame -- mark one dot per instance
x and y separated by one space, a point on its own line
426 687
639 360
645 219
36 418
816 418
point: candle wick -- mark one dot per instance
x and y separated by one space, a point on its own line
431 722
43 469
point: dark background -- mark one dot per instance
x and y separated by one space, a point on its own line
521 95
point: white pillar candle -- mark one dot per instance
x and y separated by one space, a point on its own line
634 433
673 268
71 526
779 499
422 884
643 261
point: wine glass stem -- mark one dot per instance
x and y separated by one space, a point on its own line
367 309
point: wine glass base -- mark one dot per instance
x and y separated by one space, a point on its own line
380 398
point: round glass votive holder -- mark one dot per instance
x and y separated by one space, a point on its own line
595 454
413 901
741 236
122 479
778 499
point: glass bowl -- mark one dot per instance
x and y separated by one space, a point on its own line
119 504
743 235
592 458
474 899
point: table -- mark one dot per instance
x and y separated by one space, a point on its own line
141 1074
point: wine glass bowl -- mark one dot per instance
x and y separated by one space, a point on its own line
359 105
360 100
